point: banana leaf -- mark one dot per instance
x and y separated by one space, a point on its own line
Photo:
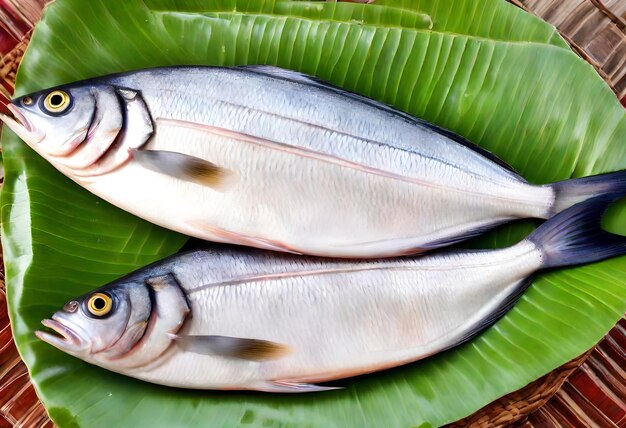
483 69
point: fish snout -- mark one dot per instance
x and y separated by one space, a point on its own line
65 336
22 126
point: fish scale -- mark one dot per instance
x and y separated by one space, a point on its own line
332 298
301 119
307 126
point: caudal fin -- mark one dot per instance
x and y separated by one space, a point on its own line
575 236
570 192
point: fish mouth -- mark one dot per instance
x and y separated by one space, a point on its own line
20 124
65 338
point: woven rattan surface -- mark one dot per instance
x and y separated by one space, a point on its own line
594 28
588 391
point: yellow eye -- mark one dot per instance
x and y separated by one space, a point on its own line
99 304
56 101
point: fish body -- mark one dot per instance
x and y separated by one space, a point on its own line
337 318
270 158
247 319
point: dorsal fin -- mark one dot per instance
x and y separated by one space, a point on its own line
294 76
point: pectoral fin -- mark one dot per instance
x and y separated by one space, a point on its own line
185 167
233 347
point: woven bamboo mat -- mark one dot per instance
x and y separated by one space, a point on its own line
589 391
594 28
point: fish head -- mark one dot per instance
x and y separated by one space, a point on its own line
53 122
108 321
82 129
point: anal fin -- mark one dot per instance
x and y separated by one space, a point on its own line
285 387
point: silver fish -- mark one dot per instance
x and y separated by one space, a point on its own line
270 158
248 319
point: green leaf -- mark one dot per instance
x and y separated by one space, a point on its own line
484 70
494 19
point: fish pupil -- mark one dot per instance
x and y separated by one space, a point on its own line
99 303
56 100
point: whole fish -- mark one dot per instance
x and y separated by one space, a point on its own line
248 319
270 158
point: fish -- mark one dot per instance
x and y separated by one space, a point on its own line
247 319
270 158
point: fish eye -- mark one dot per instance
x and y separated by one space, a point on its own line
56 101
99 304
27 101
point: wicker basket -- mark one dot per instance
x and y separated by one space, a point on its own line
588 391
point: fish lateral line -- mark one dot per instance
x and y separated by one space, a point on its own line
297 77
288 148
316 155
332 271
347 134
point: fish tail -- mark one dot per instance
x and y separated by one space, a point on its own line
575 236
573 191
